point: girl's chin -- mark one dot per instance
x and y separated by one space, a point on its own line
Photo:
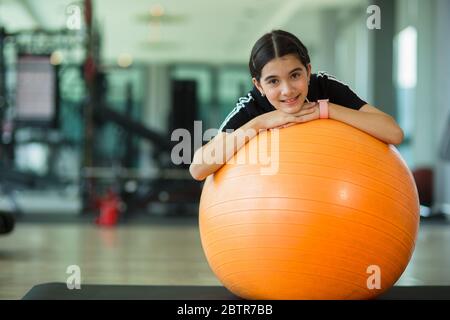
290 109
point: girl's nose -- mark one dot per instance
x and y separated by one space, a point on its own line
286 89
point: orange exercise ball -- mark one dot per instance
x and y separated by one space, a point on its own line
337 218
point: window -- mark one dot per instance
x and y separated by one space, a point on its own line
405 46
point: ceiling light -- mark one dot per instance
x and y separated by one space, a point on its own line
56 58
125 60
157 10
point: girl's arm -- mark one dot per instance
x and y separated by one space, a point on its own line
213 155
369 119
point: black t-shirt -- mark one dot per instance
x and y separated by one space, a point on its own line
321 86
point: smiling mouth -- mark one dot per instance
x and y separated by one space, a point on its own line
290 101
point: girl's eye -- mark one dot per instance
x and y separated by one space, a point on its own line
296 75
273 81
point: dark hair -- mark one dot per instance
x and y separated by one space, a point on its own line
275 44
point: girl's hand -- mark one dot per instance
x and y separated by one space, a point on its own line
278 119
311 112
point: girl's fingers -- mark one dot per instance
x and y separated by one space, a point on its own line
305 112
286 125
308 105
307 117
289 124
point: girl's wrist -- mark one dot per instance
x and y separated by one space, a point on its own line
324 112
255 124
331 110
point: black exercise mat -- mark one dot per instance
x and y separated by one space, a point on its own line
59 291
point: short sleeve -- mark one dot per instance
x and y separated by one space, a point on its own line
341 94
238 116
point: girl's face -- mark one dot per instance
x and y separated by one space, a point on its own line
284 81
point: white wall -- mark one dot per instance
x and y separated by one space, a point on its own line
352 48
442 50
338 42
424 143
156 108
432 92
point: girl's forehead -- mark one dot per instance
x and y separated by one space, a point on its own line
282 64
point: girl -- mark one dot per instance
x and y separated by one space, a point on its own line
286 93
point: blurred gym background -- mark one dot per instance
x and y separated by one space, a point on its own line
90 92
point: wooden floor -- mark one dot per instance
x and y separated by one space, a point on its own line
144 254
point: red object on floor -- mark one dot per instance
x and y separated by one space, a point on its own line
424 178
109 210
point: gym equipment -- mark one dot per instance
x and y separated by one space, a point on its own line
36 91
58 118
338 219
29 114
441 185
424 176
7 222
52 291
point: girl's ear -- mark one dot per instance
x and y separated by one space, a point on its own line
258 86
308 69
